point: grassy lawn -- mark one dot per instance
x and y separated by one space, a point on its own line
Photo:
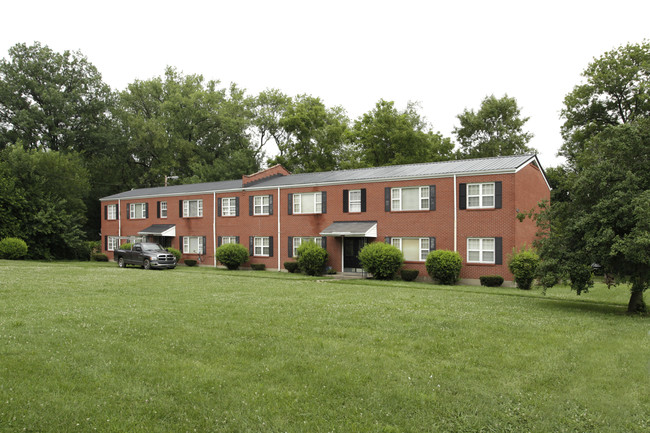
90 347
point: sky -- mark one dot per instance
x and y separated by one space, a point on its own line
447 56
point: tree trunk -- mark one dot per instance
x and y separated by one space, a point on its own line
636 305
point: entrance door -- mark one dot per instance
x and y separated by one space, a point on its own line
351 248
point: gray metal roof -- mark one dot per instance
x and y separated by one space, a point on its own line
351 228
502 164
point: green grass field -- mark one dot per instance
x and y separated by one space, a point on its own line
90 347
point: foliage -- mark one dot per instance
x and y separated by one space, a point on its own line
496 129
409 274
99 257
291 267
175 252
491 280
523 265
444 266
258 266
190 262
311 258
128 246
232 255
382 260
13 249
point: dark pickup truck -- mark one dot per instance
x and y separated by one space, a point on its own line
147 255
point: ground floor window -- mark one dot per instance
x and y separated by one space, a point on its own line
112 243
228 240
193 245
297 241
262 246
414 249
480 250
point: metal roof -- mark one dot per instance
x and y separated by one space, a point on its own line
160 230
366 229
502 164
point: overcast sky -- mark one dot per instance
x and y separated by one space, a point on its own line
446 55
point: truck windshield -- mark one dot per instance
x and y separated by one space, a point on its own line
151 247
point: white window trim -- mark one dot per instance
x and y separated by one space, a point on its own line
481 250
258 242
354 202
113 243
396 198
398 242
481 195
231 206
263 201
163 209
228 240
199 208
298 240
132 212
111 212
186 244
297 202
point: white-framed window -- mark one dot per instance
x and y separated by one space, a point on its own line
414 249
308 202
192 208
111 213
228 240
411 198
138 211
354 200
163 209
261 205
480 195
261 245
481 250
229 206
297 241
112 243
192 244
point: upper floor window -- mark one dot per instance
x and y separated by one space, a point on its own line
308 202
480 195
229 206
192 208
163 209
354 200
481 250
111 212
138 210
411 198
261 205
414 249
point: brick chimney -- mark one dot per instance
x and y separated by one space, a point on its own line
276 170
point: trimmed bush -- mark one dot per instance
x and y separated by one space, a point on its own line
190 262
99 257
311 258
409 274
258 266
126 246
330 271
523 265
291 267
444 266
381 260
176 253
232 255
491 280
13 249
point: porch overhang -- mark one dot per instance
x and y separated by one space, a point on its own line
166 230
356 229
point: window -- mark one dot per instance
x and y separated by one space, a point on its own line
192 208
229 206
111 212
416 198
193 245
163 209
354 202
297 241
311 202
228 240
262 246
261 205
112 243
138 211
480 195
481 250
414 249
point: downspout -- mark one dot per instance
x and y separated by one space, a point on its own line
214 226
119 219
279 247
455 216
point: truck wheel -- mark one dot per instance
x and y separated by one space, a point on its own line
146 264
120 262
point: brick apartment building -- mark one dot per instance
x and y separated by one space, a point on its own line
467 206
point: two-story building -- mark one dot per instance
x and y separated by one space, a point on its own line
469 206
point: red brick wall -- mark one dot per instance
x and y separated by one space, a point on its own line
530 189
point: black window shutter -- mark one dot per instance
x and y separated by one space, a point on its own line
250 205
146 210
498 193
270 246
363 199
462 196
218 241
205 247
180 244
236 206
180 208
117 207
387 240
157 209
128 211
290 203
323 242
432 244
251 245
236 239
498 251
324 201
270 204
105 243
432 197
290 242
345 200
387 199
105 212
219 207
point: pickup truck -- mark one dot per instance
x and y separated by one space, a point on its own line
145 254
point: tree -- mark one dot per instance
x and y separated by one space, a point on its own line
386 136
269 108
496 129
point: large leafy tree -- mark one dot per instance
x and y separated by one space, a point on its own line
496 129
388 136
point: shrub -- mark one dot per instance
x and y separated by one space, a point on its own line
291 267
330 270
409 274
311 258
491 280
444 266
258 266
523 265
99 257
381 260
13 249
176 253
126 246
190 262
232 255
